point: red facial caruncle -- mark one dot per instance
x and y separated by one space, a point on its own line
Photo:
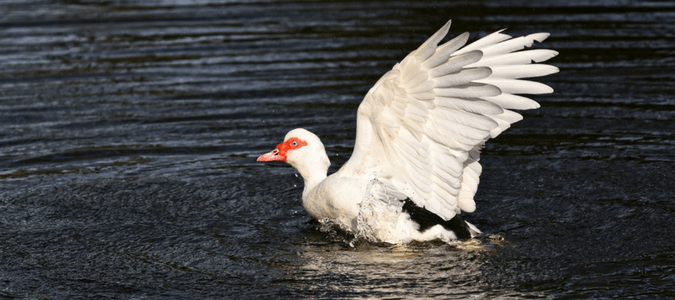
281 152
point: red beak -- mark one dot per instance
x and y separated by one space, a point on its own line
272 156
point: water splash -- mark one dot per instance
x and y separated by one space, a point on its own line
337 232
377 210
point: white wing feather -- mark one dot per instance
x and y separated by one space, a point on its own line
423 124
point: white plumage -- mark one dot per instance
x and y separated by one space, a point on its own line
419 133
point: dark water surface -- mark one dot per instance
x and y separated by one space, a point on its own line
128 138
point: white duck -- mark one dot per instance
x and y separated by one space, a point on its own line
418 138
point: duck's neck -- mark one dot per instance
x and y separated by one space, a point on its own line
311 184
313 174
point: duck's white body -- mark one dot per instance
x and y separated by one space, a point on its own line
419 134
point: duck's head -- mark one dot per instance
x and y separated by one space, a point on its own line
304 151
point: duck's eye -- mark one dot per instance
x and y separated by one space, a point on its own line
294 144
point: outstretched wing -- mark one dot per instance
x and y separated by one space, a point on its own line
423 124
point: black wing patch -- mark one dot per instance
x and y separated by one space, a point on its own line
427 219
